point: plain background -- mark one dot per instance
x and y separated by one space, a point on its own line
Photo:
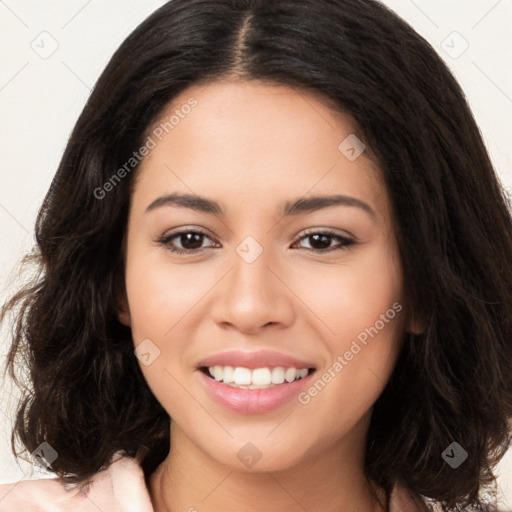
42 93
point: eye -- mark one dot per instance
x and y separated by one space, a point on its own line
323 239
191 241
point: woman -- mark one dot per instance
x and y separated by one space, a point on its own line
341 342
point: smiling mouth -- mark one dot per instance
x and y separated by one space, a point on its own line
257 378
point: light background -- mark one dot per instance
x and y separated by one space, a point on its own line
42 95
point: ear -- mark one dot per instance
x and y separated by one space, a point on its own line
414 325
122 307
123 310
121 301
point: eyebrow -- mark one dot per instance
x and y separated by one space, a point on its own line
294 207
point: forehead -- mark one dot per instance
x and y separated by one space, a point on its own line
243 140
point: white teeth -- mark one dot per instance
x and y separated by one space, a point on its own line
217 372
242 376
229 374
259 378
277 375
290 374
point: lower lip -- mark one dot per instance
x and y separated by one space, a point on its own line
253 401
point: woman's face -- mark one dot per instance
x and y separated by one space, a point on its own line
262 280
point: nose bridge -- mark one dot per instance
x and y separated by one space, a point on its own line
253 295
251 277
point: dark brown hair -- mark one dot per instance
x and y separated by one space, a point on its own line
453 383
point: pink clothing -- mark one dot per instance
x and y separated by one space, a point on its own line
119 488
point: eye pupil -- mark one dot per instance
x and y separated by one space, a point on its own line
191 237
318 236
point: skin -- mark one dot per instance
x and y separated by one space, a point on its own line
252 146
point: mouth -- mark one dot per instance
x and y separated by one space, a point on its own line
254 390
255 378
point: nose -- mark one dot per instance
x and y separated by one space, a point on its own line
253 295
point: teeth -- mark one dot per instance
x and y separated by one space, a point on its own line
290 374
278 375
259 378
242 376
228 375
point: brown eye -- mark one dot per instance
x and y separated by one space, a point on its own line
191 241
320 241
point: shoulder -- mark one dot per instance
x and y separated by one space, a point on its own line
43 495
118 488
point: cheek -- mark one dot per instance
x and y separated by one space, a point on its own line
352 296
160 293
362 321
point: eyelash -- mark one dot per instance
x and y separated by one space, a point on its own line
346 242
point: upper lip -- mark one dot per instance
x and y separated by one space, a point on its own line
254 359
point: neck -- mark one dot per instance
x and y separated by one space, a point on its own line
330 481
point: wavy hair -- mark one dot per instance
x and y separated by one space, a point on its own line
86 395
